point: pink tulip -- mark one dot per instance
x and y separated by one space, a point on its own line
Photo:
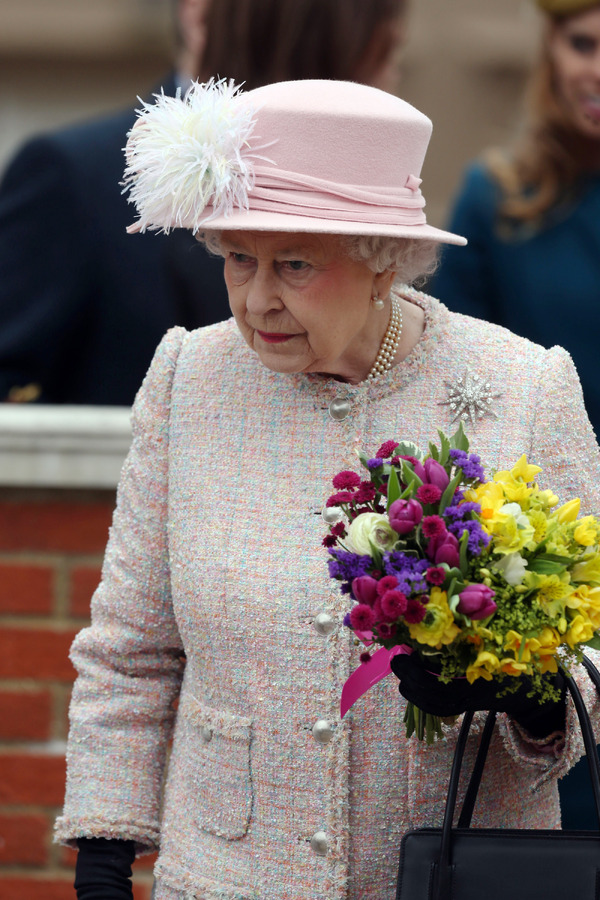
444 549
364 589
476 601
435 474
405 515
417 467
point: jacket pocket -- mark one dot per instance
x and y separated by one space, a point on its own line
219 769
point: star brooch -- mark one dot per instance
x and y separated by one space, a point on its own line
470 398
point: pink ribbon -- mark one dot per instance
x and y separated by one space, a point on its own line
276 190
368 673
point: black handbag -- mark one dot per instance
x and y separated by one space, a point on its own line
465 863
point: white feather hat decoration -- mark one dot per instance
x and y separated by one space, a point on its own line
184 154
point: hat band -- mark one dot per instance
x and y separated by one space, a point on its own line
292 194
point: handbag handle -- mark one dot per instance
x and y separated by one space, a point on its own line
443 870
466 813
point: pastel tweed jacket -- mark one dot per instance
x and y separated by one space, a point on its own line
213 576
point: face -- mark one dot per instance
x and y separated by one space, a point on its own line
302 305
575 53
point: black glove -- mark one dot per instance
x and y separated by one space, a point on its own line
423 688
103 870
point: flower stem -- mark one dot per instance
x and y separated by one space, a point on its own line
424 726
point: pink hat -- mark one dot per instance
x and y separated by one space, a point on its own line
304 156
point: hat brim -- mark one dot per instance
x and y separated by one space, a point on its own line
256 220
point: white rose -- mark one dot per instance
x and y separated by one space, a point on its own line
368 530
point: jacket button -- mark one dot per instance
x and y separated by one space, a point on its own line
324 624
322 731
206 733
319 843
331 515
339 408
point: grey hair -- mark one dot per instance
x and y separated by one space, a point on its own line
413 259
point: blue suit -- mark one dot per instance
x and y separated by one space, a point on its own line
542 283
83 305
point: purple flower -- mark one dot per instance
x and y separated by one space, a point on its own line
386 449
346 620
476 601
405 515
435 575
408 570
433 526
415 611
387 583
428 493
444 549
365 493
346 566
470 464
458 510
435 474
374 463
339 498
362 617
393 605
364 589
478 538
346 480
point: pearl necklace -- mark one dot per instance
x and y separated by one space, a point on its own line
389 345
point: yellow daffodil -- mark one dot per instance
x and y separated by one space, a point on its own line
586 599
437 628
484 666
512 667
568 512
514 490
519 645
511 529
544 647
580 631
586 532
524 470
490 497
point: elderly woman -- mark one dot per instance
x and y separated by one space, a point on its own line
215 590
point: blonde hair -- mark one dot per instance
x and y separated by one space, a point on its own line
548 155
413 259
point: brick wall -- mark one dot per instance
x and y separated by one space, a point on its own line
51 547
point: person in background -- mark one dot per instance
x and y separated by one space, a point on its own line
347 40
531 214
83 305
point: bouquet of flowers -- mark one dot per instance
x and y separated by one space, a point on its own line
482 578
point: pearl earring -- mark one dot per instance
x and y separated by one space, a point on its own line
377 302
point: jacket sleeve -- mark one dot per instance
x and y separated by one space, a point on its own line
563 444
130 660
464 279
45 264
